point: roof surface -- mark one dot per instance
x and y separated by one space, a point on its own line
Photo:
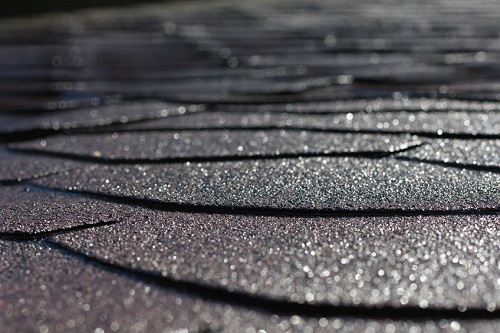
284 166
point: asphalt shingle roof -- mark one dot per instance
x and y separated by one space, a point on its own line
284 166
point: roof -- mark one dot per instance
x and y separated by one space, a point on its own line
248 167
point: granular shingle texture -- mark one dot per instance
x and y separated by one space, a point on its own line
46 289
18 167
31 212
322 184
15 123
466 152
424 123
284 166
438 262
172 145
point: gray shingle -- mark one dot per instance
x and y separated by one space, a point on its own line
314 184
155 146
424 261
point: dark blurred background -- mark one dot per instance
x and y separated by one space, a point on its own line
12 8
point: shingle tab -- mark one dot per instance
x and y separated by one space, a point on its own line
172 145
423 261
312 184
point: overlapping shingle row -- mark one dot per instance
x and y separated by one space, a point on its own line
249 167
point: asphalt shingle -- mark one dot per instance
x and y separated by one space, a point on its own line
54 121
423 261
463 152
28 212
18 167
172 145
424 123
314 184
341 173
47 289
